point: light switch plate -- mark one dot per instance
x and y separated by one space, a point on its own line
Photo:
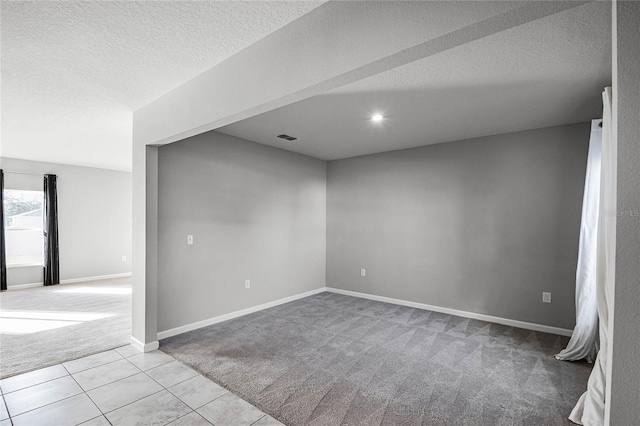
546 297
189 239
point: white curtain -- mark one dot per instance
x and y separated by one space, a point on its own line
590 408
583 340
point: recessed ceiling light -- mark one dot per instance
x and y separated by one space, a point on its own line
376 118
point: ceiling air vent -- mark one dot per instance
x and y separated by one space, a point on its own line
287 137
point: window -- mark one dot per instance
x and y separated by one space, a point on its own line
23 227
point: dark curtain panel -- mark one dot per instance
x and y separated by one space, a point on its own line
50 228
3 252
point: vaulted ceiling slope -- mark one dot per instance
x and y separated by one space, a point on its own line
73 72
547 72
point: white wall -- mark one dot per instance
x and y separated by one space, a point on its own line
256 213
94 209
483 225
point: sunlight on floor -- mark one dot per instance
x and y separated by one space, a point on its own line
26 326
24 322
54 315
42 326
95 290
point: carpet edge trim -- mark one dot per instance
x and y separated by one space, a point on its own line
456 312
231 315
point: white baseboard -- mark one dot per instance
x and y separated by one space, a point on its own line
23 286
96 278
144 347
71 281
464 314
236 314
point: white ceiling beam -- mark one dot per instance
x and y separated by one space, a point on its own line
334 45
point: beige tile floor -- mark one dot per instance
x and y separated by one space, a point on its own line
122 387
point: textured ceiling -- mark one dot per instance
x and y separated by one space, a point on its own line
73 72
543 73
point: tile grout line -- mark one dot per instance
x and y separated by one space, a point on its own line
258 419
94 403
50 380
166 389
86 392
28 411
36 384
129 403
177 383
63 399
88 396
101 415
206 403
45 405
127 357
178 418
63 362
104 413
106 384
80 371
160 365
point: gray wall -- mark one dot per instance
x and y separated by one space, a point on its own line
625 379
483 225
255 212
94 209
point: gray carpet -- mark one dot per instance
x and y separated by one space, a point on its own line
337 360
43 326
